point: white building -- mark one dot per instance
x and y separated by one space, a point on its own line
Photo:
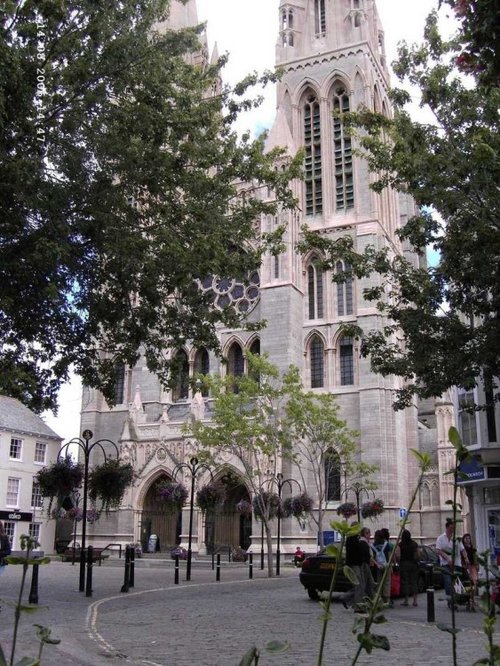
26 445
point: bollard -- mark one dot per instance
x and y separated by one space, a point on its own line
217 572
213 561
176 578
132 567
126 579
82 570
250 565
430 605
33 598
90 557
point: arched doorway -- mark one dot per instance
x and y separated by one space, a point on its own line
155 519
226 527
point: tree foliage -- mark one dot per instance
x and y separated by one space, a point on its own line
443 320
247 422
119 176
479 28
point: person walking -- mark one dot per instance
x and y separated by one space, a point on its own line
408 567
358 558
444 548
382 553
471 555
4 547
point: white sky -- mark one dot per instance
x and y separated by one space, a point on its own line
248 30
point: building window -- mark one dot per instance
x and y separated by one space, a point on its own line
346 362
36 496
312 147
344 290
202 367
342 149
276 267
319 17
34 532
119 383
16 448
40 452
317 351
181 371
467 418
332 476
10 530
13 485
315 290
235 363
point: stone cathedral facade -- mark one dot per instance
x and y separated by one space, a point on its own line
333 58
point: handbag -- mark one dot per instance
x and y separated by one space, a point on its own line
395 584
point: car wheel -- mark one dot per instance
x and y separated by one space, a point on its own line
313 594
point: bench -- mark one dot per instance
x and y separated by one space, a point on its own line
71 554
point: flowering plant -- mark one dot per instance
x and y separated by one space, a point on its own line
372 509
238 554
265 503
59 480
244 507
174 495
297 506
347 509
74 514
92 515
109 481
210 495
179 552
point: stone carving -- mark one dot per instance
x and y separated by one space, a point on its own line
198 406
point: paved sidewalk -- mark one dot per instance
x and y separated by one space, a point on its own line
213 624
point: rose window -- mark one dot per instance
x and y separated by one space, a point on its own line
243 296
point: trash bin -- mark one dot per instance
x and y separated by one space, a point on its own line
153 540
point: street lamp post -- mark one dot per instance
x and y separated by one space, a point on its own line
86 449
193 467
280 482
358 489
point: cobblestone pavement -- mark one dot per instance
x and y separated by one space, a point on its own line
214 623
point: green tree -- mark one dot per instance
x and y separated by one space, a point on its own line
443 325
323 445
247 422
118 192
479 32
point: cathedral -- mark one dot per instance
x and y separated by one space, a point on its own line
333 59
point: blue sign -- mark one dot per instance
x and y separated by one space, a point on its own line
329 537
402 513
472 469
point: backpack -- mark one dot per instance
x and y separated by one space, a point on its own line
380 557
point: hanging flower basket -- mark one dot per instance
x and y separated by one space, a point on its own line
347 510
210 496
297 506
59 480
372 509
74 514
93 515
238 554
108 482
244 508
266 503
173 496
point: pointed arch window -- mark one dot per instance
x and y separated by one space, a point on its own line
319 17
332 470
315 290
181 368
312 147
235 363
202 366
342 149
317 358
346 362
119 388
344 290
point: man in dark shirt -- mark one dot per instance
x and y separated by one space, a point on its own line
357 557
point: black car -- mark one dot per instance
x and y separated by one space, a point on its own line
317 571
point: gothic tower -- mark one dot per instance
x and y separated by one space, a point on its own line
333 59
